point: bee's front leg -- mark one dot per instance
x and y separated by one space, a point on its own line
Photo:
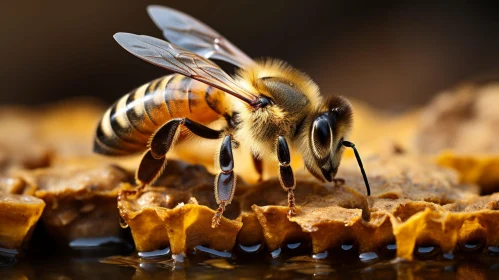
225 182
258 164
286 175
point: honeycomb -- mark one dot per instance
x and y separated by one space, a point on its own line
414 202
77 199
19 214
460 127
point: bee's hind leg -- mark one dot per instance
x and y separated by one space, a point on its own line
149 170
154 159
286 175
225 182
162 140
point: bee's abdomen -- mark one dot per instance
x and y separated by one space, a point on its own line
129 123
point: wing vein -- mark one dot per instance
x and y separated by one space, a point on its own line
179 60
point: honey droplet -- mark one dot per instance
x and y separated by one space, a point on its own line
123 224
427 251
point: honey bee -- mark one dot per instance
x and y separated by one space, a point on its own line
266 107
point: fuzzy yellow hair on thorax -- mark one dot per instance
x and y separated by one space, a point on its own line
249 76
263 125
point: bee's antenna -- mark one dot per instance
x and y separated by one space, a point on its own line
352 145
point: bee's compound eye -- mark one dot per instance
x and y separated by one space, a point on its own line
322 137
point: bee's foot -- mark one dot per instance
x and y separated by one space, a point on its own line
291 203
291 212
339 182
215 222
123 194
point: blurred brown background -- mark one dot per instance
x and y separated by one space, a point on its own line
391 54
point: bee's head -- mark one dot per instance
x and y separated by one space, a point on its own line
330 126
327 135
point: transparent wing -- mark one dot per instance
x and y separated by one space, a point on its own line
195 36
179 60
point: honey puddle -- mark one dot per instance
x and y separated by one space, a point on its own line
291 261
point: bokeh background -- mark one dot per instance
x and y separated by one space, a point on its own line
392 54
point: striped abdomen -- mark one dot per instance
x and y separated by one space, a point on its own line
127 125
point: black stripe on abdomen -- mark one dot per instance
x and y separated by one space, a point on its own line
136 114
103 149
148 99
107 142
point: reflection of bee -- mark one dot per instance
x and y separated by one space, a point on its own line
270 107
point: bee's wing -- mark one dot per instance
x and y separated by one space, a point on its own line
195 36
179 60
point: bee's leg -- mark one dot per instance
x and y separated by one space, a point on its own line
225 182
258 164
339 181
286 175
162 140
149 169
154 161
